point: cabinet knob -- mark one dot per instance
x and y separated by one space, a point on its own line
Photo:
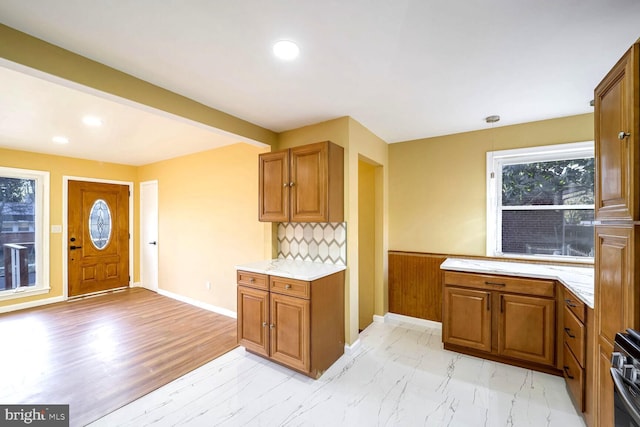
285 184
252 280
287 286
291 184
623 135
264 324
272 326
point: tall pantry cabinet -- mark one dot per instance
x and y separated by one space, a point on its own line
617 233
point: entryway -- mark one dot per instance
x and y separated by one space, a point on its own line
98 237
369 214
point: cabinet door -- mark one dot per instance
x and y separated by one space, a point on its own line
616 308
527 328
604 391
309 183
253 314
467 318
616 290
290 331
616 140
273 194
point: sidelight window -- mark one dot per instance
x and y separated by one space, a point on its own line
24 222
540 202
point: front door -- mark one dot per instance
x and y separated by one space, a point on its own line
98 246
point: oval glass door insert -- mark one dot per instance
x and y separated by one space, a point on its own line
100 224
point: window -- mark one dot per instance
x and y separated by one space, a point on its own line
24 225
540 202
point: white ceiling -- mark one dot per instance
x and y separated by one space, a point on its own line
405 69
33 110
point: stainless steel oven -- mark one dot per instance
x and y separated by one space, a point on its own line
625 371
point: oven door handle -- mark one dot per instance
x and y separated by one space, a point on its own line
625 395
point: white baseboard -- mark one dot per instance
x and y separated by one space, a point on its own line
350 349
378 318
200 304
30 304
136 285
399 318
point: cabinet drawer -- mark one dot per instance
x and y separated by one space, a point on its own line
254 280
574 376
292 287
573 334
509 284
574 304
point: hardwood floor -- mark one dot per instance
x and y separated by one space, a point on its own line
98 354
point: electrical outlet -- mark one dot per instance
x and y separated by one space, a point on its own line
207 285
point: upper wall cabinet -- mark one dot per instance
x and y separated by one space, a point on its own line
617 135
302 184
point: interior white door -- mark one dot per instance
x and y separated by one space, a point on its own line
149 235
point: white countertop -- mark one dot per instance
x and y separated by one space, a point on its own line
300 270
578 280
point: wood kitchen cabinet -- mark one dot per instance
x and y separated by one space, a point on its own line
508 319
617 127
467 318
302 184
617 290
296 323
526 328
574 347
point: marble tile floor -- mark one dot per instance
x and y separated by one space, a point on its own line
399 375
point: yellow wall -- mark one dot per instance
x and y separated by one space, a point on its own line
366 243
58 167
358 142
437 194
364 144
208 221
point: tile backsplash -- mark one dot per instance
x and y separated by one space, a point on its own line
324 242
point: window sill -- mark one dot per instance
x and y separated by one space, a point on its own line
20 293
554 259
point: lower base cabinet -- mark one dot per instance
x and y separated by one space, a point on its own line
296 323
503 318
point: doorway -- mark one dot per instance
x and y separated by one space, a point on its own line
149 235
366 242
98 237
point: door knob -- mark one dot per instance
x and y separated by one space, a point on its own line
623 135
73 247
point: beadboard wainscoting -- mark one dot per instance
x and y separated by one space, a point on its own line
324 242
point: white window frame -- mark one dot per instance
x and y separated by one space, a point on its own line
495 161
42 284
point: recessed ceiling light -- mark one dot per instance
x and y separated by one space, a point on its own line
60 139
92 121
286 50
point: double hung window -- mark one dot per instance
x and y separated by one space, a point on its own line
540 202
